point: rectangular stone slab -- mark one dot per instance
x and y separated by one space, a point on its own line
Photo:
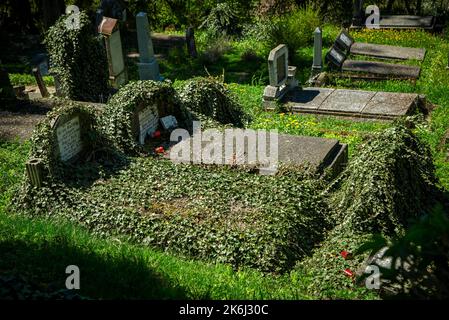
387 52
354 103
382 69
310 98
318 153
391 104
407 22
346 101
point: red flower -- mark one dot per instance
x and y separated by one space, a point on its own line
160 150
344 254
348 273
156 134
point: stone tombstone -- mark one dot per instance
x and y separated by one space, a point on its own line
317 52
336 57
68 132
282 76
278 65
148 66
344 41
117 69
145 121
169 123
190 41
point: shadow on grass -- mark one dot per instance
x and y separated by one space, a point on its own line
120 275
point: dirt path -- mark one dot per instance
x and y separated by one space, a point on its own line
19 124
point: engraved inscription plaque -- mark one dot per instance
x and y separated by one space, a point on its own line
148 122
69 139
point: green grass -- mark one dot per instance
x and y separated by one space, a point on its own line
24 79
31 243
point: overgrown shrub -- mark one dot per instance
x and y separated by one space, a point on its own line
293 29
223 19
211 97
118 116
78 60
389 182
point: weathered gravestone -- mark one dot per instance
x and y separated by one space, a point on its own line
317 52
148 66
69 135
282 76
145 121
117 69
344 45
190 41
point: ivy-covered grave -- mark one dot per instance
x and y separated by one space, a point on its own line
117 188
78 59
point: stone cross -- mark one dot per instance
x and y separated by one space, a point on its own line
317 52
148 66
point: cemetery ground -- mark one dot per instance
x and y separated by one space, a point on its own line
105 243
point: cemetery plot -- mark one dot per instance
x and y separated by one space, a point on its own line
317 154
353 103
345 46
380 70
387 52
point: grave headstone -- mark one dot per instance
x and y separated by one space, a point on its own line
68 133
40 83
169 123
317 52
145 121
148 66
344 41
282 77
336 57
190 41
117 69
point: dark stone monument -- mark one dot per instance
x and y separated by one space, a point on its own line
190 41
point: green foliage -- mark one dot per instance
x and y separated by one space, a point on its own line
118 118
294 29
222 19
211 97
18 79
78 60
422 257
176 208
390 181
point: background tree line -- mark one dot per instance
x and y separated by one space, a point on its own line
36 16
